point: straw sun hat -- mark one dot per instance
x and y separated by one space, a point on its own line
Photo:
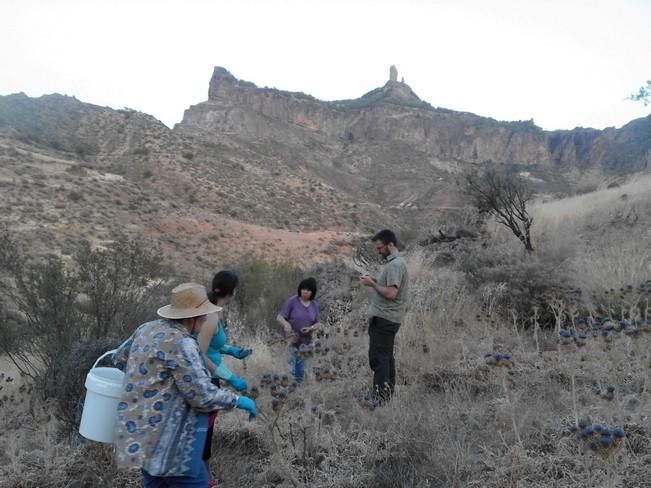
188 300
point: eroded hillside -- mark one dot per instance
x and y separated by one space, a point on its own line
267 171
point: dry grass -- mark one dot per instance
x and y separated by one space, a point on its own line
582 209
606 234
602 238
614 265
454 421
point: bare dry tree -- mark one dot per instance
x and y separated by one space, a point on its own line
503 195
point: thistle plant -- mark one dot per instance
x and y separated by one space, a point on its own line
597 438
498 359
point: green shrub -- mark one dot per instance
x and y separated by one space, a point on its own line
124 285
334 295
69 389
525 281
75 196
43 293
82 149
141 151
264 286
103 293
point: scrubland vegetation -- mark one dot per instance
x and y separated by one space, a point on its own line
514 369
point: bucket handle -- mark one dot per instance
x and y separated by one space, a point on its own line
103 356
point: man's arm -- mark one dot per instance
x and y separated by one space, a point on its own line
388 292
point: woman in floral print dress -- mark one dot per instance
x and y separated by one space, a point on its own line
168 396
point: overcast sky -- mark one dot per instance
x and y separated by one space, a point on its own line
564 63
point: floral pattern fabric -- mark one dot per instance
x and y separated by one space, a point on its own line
163 412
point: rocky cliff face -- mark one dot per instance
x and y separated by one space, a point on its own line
393 113
396 150
251 166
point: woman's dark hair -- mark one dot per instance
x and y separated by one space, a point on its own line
307 284
223 285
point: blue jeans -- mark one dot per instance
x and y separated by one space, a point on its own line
199 481
297 365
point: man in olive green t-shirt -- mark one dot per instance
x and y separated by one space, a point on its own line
386 311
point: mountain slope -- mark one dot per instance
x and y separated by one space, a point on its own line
395 148
250 167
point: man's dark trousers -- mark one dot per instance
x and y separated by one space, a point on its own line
382 333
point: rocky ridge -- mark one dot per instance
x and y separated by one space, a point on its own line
399 148
255 169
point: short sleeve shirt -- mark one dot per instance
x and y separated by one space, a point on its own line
299 316
393 273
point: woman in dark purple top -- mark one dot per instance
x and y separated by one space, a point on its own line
300 318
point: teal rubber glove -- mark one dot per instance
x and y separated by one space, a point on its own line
238 383
236 352
245 403
222 372
242 353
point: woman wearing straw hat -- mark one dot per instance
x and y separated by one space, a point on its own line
163 413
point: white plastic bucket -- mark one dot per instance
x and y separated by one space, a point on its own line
103 392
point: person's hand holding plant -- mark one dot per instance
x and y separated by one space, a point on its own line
290 334
367 280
